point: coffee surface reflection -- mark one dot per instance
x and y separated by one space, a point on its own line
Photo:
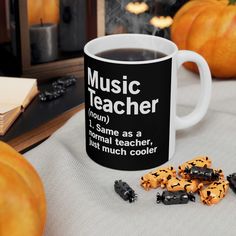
131 54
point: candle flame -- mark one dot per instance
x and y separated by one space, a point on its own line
161 22
136 7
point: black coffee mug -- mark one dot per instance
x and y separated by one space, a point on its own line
130 106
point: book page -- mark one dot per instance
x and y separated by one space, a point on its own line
4 108
4 126
15 91
10 116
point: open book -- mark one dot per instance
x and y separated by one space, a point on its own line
15 96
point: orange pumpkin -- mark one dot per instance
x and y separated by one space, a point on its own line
208 27
22 197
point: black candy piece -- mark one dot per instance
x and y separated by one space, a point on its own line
171 198
232 181
125 191
202 173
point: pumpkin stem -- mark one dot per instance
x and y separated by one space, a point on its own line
232 2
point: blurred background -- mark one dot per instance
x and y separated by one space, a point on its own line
45 38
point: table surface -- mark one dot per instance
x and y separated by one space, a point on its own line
80 193
41 119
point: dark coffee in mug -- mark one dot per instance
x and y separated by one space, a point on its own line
131 54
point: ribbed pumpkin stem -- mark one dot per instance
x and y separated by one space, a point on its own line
232 2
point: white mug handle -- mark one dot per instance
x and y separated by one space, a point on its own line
205 94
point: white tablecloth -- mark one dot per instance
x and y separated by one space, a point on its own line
80 193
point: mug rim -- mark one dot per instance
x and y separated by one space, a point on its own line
172 44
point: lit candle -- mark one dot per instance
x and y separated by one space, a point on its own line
48 10
44 44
